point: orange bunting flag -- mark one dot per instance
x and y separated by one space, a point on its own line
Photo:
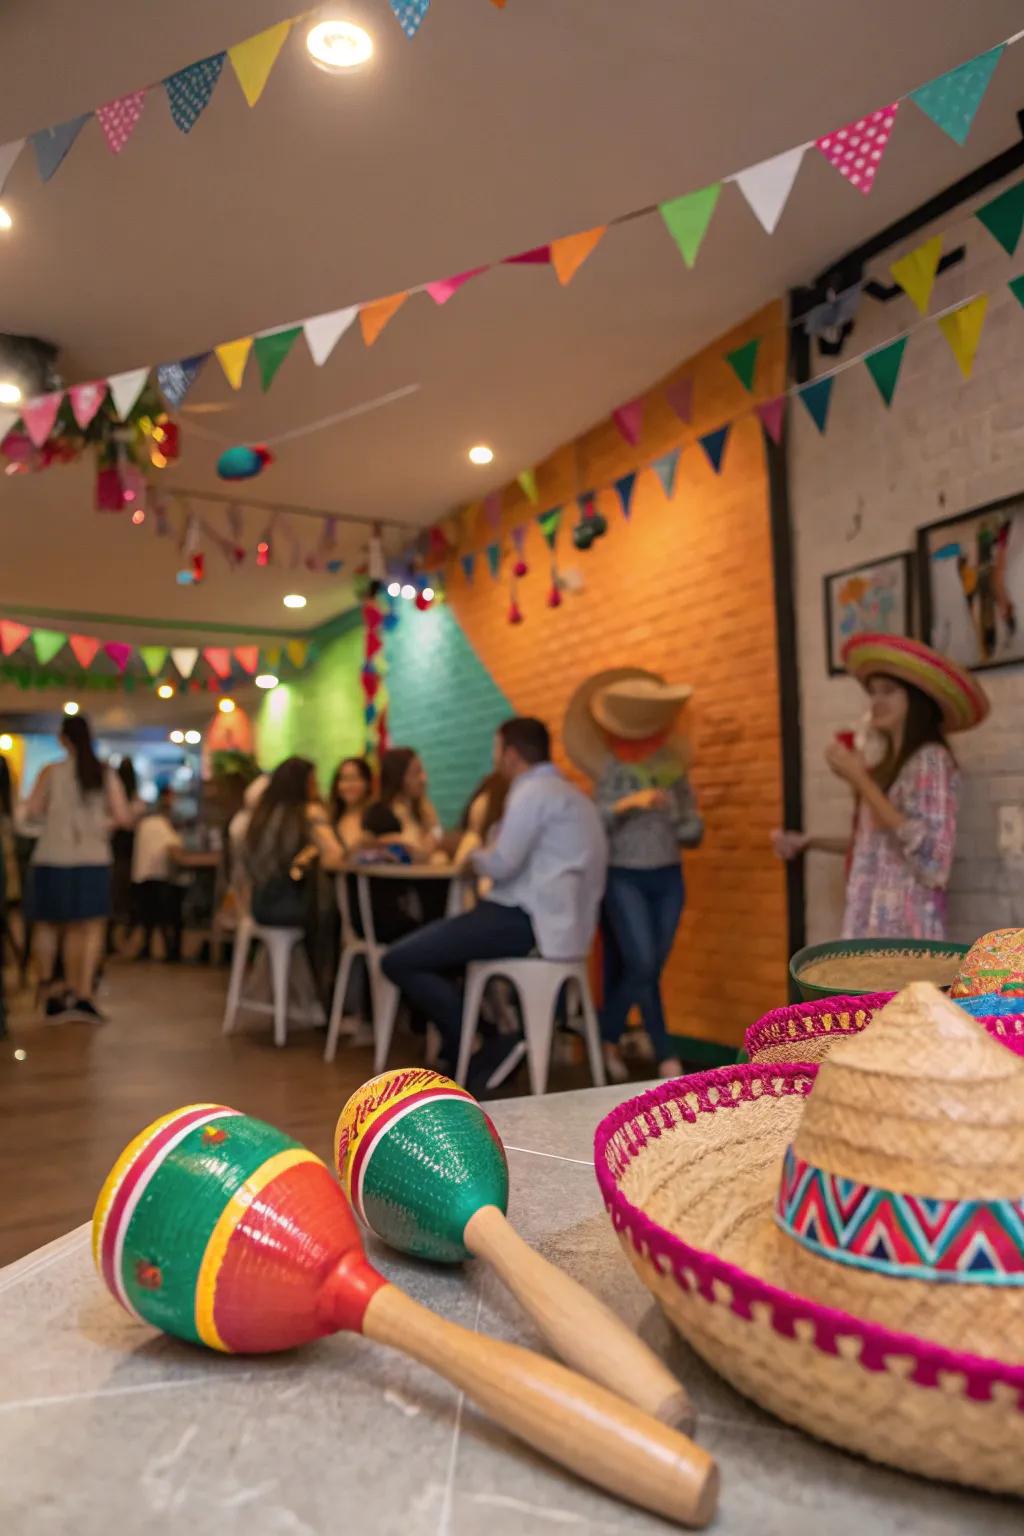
248 658
374 317
12 635
218 658
84 648
569 253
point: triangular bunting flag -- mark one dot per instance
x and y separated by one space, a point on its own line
679 395
767 185
8 155
527 482
297 651
271 351
83 649
1003 217
492 509
770 413
494 557
665 469
549 524
442 290
7 420
323 332
86 400
629 419
119 652
125 389
39 415
624 488
713 444
248 658
253 60
153 658
883 364
570 252
218 659
375 316
174 380
272 656
468 563
233 356
537 256
915 272
46 643
189 91
185 658
687 219
962 329
816 398
119 118
1016 287
952 100
410 14
12 635
52 144
743 361
856 151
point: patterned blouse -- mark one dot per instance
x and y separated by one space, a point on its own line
897 882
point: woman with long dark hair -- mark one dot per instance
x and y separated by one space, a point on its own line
351 794
289 828
402 813
122 843
75 802
907 803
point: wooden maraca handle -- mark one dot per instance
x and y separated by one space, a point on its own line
576 1423
586 1333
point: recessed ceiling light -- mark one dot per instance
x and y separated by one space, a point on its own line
266 680
71 708
336 46
10 393
481 454
165 691
177 737
193 738
6 222
294 600
226 706
6 743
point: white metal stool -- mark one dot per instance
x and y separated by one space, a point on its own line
352 946
538 983
279 944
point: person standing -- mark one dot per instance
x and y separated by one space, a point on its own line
122 843
157 897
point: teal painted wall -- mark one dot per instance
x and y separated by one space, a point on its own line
320 714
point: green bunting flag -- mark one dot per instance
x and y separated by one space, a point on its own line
743 362
1016 286
494 557
884 367
952 100
549 525
1003 217
47 642
687 219
153 657
272 350
816 398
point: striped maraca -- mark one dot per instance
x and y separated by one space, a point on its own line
425 1169
222 1230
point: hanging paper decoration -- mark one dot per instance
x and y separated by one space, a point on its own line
119 653
83 649
233 356
185 658
468 563
687 219
46 643
856 151
52 144
539 256
39 415
816 398
125 389
12 635
174 380
271 351
953 99
410 14
515 613
591 524
665 468
713 444
218 659
527 481
8 155
374 317
770 413
253 60
492 509
189 91
1016 287
494 558
1003 217
883 364
916 271
520 568
442 291
629 419
118 119
86 400
373 619
624 489
743 362
962 329
767 185
153 658
248 658
679 395
570 252
323 332
549 523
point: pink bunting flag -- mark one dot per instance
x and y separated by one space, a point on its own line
119 653
118 119
218 657
39 415
770 414
86 400
248 658
442 291
856 151
492 509
629 419
12 634
539 255
83 649
679 395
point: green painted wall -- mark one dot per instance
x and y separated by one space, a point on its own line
318 715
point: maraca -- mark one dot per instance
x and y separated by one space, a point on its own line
425 1169
222 1230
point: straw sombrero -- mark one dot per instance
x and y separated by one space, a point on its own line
994 964
586 742
960 697
853 1257
638 708
808 1031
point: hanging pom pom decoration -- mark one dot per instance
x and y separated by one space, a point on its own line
520 567
243 462
591 524
515 613
555 594
198 566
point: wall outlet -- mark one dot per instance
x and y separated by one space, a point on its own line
1011 831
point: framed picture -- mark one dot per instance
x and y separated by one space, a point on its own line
971 569
874 596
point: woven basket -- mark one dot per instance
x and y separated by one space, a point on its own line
848 954
807 1031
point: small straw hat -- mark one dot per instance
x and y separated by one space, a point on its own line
853 1257
961 698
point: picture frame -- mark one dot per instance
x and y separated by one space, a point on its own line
874 595
971 584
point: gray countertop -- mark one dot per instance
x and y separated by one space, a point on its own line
107 1429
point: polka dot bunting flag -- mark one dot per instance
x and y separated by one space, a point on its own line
410 14
856 151
118 119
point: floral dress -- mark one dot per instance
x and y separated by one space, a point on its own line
897 882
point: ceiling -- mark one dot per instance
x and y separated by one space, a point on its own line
489 133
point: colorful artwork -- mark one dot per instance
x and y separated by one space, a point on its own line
972 572
874 597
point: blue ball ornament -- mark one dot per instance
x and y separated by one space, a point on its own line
243 462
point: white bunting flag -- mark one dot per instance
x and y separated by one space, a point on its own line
767 186
185 658
8 154
324 332
125 389
7 420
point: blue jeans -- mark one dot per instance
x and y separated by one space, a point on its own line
641 912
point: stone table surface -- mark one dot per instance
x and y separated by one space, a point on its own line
107 1429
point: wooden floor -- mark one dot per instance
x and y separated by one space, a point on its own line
72 1095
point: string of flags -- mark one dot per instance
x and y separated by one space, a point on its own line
277 543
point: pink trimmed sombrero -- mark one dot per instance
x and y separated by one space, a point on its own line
958 694
852 1258
808 1031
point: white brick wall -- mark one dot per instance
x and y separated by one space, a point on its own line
945 446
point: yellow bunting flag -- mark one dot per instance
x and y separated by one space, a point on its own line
528 484
916 271
272 655
233 356
253 60
296 652
962 329
374 317
569 253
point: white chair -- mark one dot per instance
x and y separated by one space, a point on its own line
279 944
351 947
384 995
538 983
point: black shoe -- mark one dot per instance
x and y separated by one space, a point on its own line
84 1008
57 1007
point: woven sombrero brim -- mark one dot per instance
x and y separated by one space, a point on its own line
689 1173
961 699
808 1031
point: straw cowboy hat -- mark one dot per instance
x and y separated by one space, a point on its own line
960 697
625 702
853 1257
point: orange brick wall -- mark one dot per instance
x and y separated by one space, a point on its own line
684 588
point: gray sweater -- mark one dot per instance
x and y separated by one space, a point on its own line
648 839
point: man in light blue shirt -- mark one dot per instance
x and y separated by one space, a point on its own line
547 866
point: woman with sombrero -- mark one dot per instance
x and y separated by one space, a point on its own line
621 729
905 824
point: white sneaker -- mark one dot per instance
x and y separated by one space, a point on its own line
670 1067
614 1065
